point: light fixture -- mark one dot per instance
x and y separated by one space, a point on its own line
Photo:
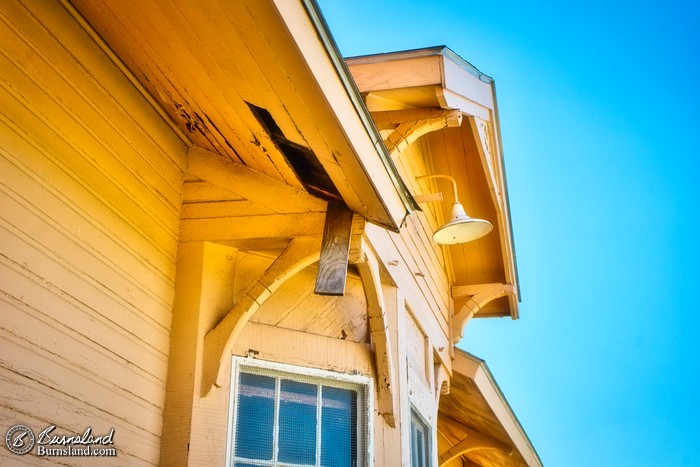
461 228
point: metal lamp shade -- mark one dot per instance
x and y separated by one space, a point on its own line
461 228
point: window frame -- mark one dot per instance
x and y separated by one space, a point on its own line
362 384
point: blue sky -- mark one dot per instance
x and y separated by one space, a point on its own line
600 110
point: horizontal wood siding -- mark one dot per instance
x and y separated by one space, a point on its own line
90 196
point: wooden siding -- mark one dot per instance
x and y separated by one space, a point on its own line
90 192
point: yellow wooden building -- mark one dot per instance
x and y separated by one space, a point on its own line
217 241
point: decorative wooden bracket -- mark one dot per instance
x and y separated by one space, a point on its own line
409 125
368 266
218 342
474 441
480 295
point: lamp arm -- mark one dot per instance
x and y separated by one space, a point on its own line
454 183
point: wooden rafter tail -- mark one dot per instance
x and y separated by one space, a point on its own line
335 250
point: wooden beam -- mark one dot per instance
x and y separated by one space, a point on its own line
428 198
459 291
233 229
473 441
390 119
387 392
218 342
254 186
480 295
335 248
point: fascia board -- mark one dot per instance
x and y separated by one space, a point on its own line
476 369
305 23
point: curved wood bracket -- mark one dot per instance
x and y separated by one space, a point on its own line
473 441
368 267
218 342
480 295
409 125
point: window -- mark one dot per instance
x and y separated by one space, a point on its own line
284 418
420 441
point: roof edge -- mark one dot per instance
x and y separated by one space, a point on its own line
322 30
480 367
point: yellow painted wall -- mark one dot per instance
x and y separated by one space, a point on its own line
90 195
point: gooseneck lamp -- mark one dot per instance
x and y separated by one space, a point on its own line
461 228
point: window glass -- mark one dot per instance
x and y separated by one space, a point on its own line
420 441
256 412
297 422
339 432
283 419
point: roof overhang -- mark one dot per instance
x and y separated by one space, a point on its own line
213 65
438 78
476 414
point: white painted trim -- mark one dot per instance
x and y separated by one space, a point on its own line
476 369
365 424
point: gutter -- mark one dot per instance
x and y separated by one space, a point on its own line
323 32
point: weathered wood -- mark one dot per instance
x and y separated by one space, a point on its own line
279 344
481 295
234 229
254 186
473 441
90 189
218 342
408 132
390 119
386 389
391 249
335 248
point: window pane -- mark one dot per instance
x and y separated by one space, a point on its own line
297 422
338 427
255 417
420 442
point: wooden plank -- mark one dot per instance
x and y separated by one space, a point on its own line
200 86
41 406
77 119
38 214
81 383
285 345
69 175
234 229
219 209
254 186
335 248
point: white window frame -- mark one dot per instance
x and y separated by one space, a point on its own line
314 376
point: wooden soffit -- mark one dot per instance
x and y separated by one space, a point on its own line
255 83
476 422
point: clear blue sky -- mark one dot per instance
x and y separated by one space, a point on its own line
600 115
